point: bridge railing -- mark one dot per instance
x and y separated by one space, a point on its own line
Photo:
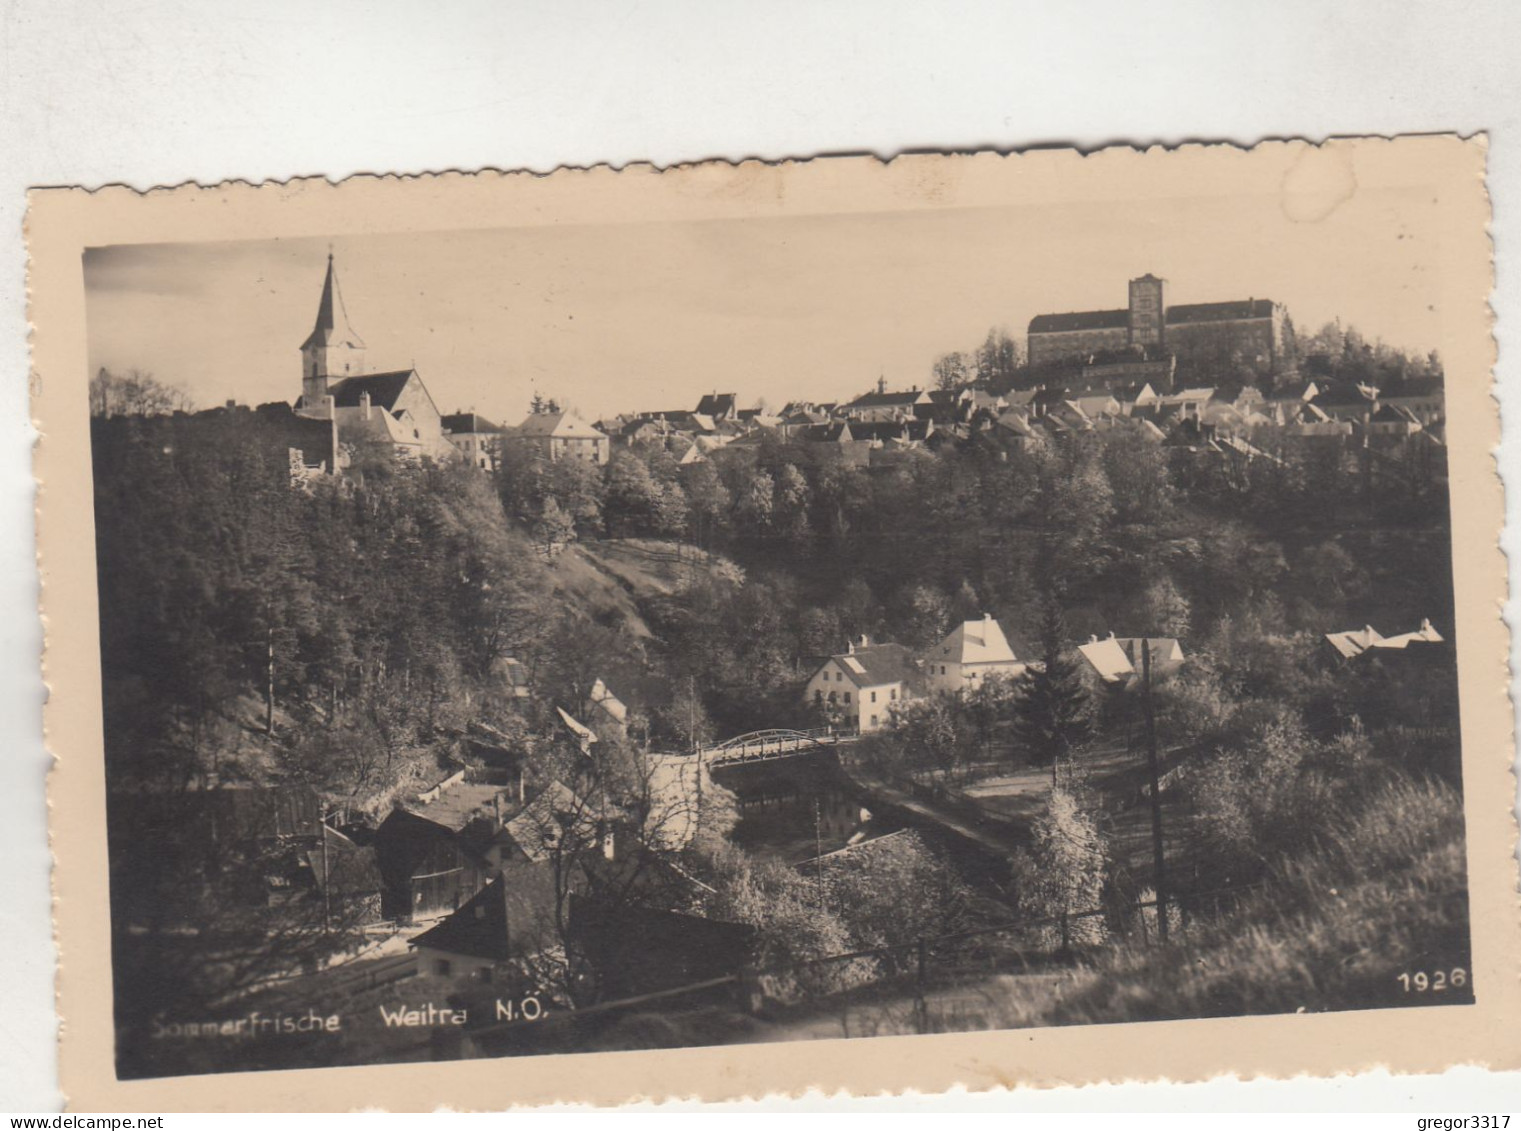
770 744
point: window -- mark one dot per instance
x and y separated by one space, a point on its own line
443 967
818 695
894 694
873 696
847 697
874 720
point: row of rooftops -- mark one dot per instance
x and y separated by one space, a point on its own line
983 643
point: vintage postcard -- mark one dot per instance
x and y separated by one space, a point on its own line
966 620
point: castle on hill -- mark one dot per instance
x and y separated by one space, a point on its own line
1251 331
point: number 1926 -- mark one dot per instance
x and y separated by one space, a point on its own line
1435 982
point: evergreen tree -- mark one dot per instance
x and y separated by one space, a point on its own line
1053 713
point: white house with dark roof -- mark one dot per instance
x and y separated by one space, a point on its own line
858 687
971 652
479 441
392 408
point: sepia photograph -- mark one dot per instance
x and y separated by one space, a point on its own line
795 626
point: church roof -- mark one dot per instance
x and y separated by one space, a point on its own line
332 327
384 389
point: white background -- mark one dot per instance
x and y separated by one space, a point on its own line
166 91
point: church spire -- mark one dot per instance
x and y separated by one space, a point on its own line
332 351
332 319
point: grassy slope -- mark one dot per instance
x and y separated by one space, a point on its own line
1383 894
608 579
1386 894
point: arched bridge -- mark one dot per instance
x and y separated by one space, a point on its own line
763 745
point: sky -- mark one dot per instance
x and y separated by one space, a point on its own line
650 316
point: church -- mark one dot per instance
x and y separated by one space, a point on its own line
391 408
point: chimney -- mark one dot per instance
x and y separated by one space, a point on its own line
364 406
865 641
1111 634
987 617
1426 625
1093 640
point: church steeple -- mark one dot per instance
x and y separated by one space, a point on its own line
332 349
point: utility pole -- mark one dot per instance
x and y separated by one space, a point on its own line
818 849
1159 859
327 898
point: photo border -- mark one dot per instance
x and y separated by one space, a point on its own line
63 222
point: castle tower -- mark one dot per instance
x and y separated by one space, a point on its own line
332 350
1147 312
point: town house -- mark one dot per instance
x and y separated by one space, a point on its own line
858 687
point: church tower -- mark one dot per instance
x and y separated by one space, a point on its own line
1148 315
332 350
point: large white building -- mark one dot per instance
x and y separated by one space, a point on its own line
858 687
973 650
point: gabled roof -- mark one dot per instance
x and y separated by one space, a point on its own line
332 328
1080 320
458 805
1219 311
342 867
499 921
1426 634
539 829
717 404
1185 396
1166 652
890 400
1354 642
560 425
478 929
467 423
601 697
835 432
1108 659
975 642
877 664
1357 641
384 389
